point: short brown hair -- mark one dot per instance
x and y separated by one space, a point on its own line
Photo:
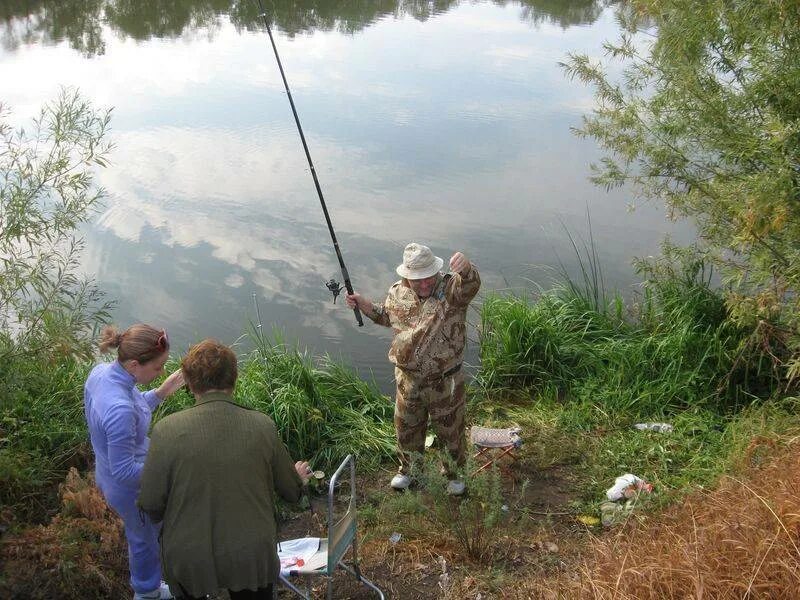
139 342
209 365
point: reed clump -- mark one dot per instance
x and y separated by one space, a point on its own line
323 410
672 347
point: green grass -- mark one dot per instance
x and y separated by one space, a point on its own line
581 368
323 410
597 445
42 431
673 349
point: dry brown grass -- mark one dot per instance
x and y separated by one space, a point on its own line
80 554
741 540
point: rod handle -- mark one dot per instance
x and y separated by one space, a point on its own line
346 276
358 316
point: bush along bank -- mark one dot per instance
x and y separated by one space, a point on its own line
674 348
42 433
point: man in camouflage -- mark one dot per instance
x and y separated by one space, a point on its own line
427 311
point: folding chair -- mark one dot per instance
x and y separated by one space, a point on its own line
494 444
341 537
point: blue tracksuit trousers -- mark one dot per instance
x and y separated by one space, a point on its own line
142 534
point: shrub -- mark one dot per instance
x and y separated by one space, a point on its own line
705 118
475 519
79 554
47 311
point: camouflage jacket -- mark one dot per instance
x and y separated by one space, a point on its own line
429 335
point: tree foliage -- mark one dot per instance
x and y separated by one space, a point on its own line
705 116
48 309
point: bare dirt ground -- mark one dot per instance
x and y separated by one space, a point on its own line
535 538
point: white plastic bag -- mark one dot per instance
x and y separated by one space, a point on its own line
627 486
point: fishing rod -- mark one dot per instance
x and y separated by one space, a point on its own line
332 285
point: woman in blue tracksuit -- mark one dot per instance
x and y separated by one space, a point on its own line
118 416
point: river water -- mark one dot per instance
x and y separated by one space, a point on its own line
445 122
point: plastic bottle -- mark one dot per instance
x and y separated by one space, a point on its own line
659 427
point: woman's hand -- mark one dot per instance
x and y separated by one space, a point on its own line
171 385
303 470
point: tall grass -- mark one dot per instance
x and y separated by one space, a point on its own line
324 411
673 349
42 431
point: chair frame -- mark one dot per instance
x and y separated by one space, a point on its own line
341 537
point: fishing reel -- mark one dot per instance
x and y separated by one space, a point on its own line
334 287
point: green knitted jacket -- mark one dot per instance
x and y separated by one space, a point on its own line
210 475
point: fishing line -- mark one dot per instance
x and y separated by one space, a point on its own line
332 285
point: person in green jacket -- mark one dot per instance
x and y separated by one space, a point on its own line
210 476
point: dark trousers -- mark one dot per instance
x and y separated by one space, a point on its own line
259 594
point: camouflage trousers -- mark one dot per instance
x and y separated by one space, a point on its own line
443 400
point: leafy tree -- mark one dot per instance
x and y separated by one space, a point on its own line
47 308
705 116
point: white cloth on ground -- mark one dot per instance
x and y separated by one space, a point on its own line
291 550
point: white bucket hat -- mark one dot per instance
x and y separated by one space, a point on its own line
419 262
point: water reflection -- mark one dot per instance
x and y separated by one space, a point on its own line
564 14
453 131
81 22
